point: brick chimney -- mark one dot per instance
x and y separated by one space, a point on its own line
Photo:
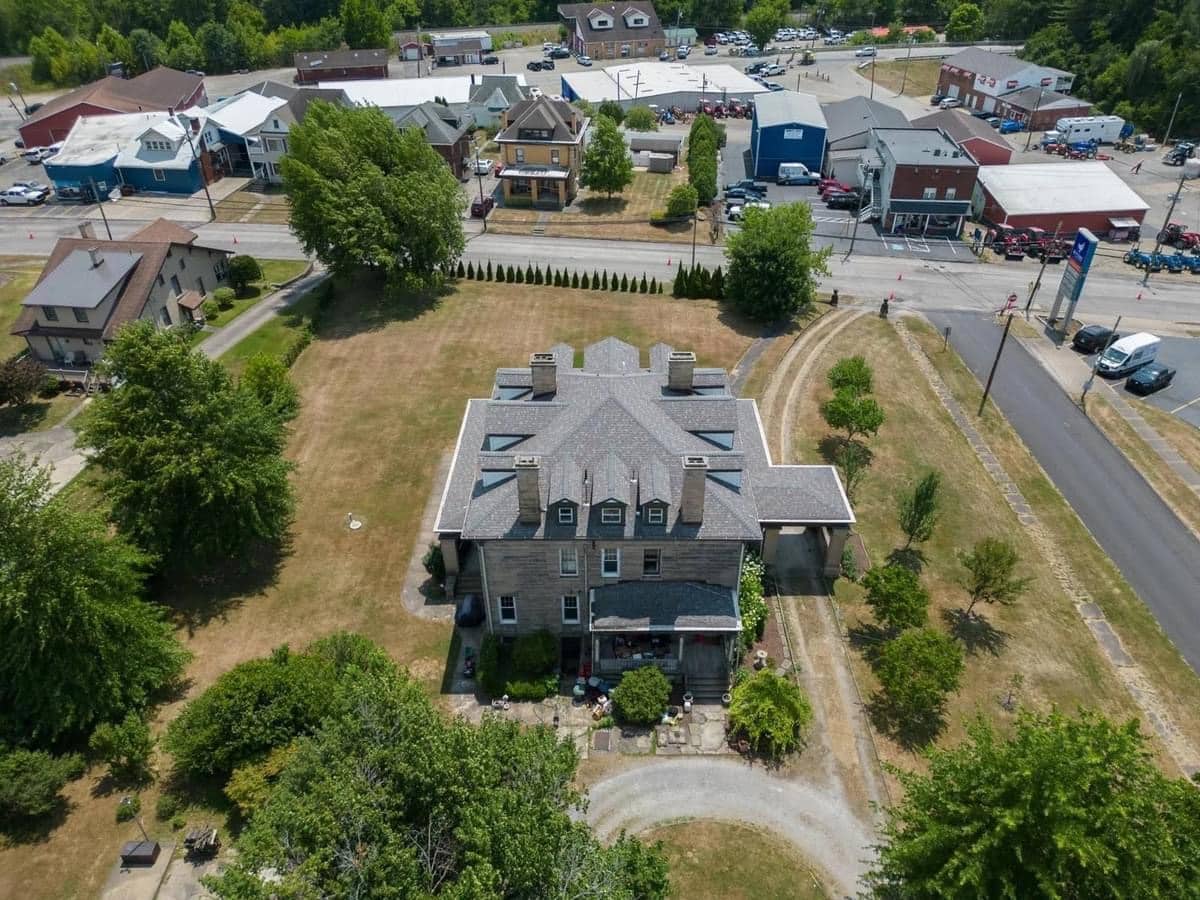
87 231
691 502
681 365
529 494
97 258
544 368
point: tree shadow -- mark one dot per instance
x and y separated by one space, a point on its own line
911 558
205 793
107 784
911 732
869 640
736 321
600 206
16 420
975 631
36 830
829 446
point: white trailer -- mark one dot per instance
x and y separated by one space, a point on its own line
1103 129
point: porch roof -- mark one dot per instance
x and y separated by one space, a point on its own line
664 606
190 300
547 172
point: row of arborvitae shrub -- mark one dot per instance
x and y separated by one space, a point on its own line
597 281
698 282
304 337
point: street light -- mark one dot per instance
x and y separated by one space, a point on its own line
13 86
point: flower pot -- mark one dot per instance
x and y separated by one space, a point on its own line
688 699
726 698
760 658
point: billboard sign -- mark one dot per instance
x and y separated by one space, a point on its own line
1079 260
1083 250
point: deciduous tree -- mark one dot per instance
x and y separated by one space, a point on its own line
854 414
966 23
917 670
243 269
606 163
772 712
195 468
365 25
773 269
852 372
918 511
20 379
991 566
681 201
641 118
30 781
896 597
125 746
764 19
266 377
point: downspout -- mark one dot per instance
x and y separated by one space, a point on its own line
487 595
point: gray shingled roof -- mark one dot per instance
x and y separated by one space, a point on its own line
855 115
985 62
442 126
664 606
962 127
1032 98
613 430
541 114
620 32
492 89
77 283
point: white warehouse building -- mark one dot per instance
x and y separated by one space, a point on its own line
660 84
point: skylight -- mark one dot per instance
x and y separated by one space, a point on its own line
496 442
730 478
722 440
512 393
492 477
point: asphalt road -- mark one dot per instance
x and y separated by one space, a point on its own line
1157 554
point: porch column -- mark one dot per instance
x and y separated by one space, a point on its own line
681 653
450 554
562 193
770 544
507 182
925 228
836 536
533 191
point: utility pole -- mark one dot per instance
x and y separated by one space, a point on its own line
1166 224
420 52
908 56
13 86
479 175
695 225
1087 385
16 109
987 389
861 206
872 78
1033 115
1038 283
100 203
1171 124
187 133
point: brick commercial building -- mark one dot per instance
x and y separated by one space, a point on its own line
924 181
158 90
1085 194
977 137
1039 108
613 30
980 78
340 65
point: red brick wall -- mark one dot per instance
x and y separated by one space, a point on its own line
910 182
312 76
56 127
986 153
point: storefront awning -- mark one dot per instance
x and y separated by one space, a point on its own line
930 207
1124 222
664 606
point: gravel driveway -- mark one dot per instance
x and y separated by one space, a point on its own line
817 820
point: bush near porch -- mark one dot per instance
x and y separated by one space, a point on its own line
523 669
642 695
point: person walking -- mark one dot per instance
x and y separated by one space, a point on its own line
1137 168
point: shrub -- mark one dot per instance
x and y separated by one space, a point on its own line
511 274
124 747
654 285
603 281
853 373
614 283
605 722
849 564
643 287
537 276
595 280
530 275
772 712
224 297
20 379
211 311
296 347
641 118
642 695
242 271
534 655
488 668
178 821
682 201
532 690
167 807
624 282
460 272
470 270
577 282
434 564
488 273
30 781
250 785
128 808
750 600
612 109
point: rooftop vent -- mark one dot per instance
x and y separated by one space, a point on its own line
97 258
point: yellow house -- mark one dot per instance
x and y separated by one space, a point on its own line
541 146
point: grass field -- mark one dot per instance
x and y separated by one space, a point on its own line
1041 638
625 216
17 275
724 861
274 271
383 392
258 207
36 415
1181 435
922 76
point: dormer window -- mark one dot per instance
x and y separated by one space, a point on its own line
599 20
611 515
656 515
566 515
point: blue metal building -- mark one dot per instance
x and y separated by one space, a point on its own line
786 127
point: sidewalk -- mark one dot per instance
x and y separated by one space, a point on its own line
258 315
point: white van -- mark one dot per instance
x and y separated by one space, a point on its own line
795 173
1128 354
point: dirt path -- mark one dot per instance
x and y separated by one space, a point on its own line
816 818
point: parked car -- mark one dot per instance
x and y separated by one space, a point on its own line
1128 355
795 173
736 213
936 99
35 186
1011 126
52 149
980 114
774 69
33 155
993 121
711 50
483 166
1093 338
774 86
16 196
844 200
534 65
865 51
754 68
1149 379
749 183
560 53
949 103
682 51
195 72
470 612
547 65
480 208
583 59
490 60
743 193
664 55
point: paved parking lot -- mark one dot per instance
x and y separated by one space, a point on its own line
1183 396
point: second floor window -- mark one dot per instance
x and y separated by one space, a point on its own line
50 313
508 609
175 288
929 194
566 515
165 315
951 193
570 609
568 561
652 562
520 154
554 157
80 315
610 562
610 515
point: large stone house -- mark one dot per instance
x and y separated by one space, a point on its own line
613 30
89 288
613 506
541 146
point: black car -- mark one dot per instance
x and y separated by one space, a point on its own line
743 193
560 53
750 183
979 113
1093 338
844 200
535 65
936 99
547 64
754 68
490 60
1150 378
470 612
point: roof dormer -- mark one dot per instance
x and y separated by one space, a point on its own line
600 20
635 18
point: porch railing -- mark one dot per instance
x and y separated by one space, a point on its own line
617 666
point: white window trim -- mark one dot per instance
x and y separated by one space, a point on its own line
604 573
929 193
655 515
159 174
656 574
566 515
565 598
604 515
562 557
500 607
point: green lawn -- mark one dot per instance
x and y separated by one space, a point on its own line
274 336
37 415
723 861
17 275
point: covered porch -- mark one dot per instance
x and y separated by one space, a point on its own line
939 217
548 187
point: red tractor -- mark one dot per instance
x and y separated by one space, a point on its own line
1009 242
738 109
1174 235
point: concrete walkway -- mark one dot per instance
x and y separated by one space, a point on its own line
53 448
258 315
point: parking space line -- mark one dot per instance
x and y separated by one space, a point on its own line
953 249
913 248
1185 406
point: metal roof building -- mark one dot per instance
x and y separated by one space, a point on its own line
787 127
662 84
1085 194
849 122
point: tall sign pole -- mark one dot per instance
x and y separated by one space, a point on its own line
1073 278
